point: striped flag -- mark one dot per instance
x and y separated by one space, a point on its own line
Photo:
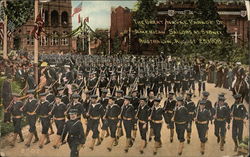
77 9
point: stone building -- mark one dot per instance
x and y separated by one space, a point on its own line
58 23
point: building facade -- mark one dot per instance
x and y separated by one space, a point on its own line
232 13
58 24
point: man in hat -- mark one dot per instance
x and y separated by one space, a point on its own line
127 115
113 84
180 118
156 119
95 112
112 114
208 104
202 118
76 138
92 82
135 101
30 109
189 104
67 75
58 112
142 116
85 105
43 111
221 116
31 80
169 106
64 98
169 79
75 104
6 95
177 83
103 83
50 97
15 110
104 102
239 115
150 104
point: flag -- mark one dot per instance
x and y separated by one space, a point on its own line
86 19
77 9
38 27
79 18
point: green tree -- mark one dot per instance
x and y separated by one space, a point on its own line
18 13
145 10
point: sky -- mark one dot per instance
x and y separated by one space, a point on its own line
98 12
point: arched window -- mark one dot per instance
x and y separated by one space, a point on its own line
64 18
65 41
54 18
54 39
46 16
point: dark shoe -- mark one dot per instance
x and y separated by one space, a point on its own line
55 147
40 146
47 142
21 140
27 145
109 149
188 141
150 139
125 150
141 151
36 140
180 153
171 140
218 139
202 153
91 148
115 143
154 153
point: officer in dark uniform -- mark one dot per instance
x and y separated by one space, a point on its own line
150 104
92 83
142 115
184 82
180 118
113 84
156 119
208 104
119 101
86 104
103 84
141 84
16 118
95 112
177 82
191 80
202 118
168 82
135 101
112 114
76 138
169 106
104 102
30 109
31 80
51 99
221 116
58 112
6 97
189 104
75 105
43 112
239 115
127 116
64 98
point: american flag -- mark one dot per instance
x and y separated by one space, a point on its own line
77 9
38 27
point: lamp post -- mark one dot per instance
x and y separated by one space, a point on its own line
247 2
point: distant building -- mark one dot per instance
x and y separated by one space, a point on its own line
233 15
58 23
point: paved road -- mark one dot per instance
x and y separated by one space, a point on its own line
168 149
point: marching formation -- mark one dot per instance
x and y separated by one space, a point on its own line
121 96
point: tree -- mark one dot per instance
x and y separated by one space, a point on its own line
146 10
18 13
116 44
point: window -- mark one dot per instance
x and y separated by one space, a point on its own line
64 19
29 39
54 18
54 39
65 41
46 21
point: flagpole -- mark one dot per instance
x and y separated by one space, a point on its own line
36 42
89 43
5 38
